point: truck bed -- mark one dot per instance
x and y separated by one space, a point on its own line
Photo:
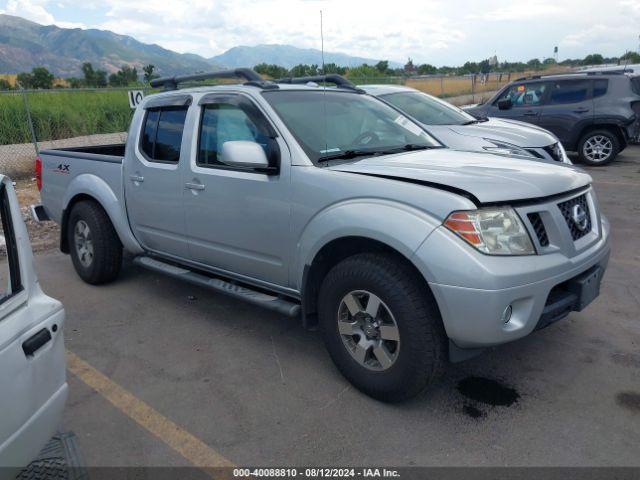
67 172
114 152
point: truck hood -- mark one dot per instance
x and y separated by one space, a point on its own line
486 177
510 131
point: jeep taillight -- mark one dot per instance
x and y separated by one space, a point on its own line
39 173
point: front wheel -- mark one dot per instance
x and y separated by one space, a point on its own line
96 251
598 147
381 326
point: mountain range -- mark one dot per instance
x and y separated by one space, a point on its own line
25 44
287 56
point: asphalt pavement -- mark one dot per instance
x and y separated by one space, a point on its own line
258 389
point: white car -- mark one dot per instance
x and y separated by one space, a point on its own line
33 386
460 131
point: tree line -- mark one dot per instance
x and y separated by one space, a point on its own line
41 78
382 69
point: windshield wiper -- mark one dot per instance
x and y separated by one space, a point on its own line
476 120
348 154
409 147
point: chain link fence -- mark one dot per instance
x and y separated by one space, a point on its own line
31 120
448 86
58 118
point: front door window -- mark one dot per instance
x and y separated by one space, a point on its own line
525 94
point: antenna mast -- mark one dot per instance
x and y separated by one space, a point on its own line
322 42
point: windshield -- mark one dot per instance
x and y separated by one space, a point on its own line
331 124
427 109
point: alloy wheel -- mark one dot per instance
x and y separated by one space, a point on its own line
598 148
368 330
83 243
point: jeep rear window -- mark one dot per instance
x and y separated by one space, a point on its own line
326 122
600 87
569 91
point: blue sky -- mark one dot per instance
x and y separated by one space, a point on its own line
433 31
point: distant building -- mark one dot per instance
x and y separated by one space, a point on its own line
493 61
409 67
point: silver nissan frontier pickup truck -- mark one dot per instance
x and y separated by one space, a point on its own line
328 204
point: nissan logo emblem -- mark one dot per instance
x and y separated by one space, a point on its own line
579 217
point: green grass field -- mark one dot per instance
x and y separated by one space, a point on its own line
63 114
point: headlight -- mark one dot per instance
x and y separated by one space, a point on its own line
503 148
494 231
563 154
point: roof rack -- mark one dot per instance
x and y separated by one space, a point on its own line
337 80
569 74
253 78
617 71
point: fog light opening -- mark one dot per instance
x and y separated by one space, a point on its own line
506 315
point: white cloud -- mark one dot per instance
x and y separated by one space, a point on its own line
518 11
29 9
64 24
434 31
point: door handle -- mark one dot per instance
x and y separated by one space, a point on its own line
136 178
36 342
194 186
530 113
581 110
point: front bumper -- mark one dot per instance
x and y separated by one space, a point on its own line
478 288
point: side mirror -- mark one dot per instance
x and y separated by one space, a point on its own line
244 154
505 104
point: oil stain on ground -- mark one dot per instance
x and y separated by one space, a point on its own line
487 391
472 411
629 400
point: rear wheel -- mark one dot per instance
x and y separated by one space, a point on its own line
381 326
95 248
598 147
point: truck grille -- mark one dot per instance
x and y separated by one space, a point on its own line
538 227
567 209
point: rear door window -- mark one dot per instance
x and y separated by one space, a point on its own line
149 132
9 266
162 134
569 91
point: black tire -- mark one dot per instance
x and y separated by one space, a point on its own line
106 261
422 348
594 135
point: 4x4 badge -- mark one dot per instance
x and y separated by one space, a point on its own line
579 217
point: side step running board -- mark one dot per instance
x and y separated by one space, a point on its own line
265 300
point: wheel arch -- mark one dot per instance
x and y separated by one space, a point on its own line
333 253
611 126
355 226
92 188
